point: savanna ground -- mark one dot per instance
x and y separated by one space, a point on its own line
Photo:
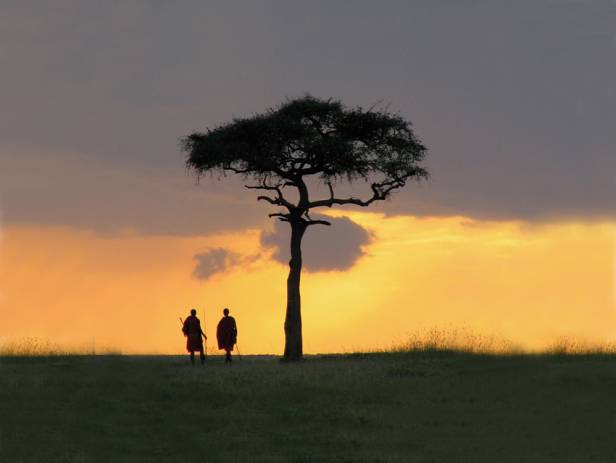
426 405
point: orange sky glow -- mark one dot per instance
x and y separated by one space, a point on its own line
526 283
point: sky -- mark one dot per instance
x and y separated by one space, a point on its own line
103 232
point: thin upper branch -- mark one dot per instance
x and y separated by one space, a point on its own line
268 199
236 170
380 191
279 200
281 217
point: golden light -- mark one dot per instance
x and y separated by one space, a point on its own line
527 283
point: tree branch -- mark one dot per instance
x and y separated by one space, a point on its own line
281 217
309 221
236 170
317 222
278 201
380 191
268 199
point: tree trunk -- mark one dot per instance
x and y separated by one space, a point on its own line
293 349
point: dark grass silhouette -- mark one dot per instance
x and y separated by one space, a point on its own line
425 405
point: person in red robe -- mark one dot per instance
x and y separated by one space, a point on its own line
193 332
226 334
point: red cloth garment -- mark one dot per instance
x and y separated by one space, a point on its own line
192 331
226 333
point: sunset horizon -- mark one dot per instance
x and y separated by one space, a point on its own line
320 232
478 261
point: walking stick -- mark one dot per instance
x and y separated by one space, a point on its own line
238 350
204 336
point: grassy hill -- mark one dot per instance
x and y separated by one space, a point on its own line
398 407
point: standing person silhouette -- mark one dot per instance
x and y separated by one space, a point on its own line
193 332
226 334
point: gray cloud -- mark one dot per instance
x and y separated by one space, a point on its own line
324 248
212 262
80 192
514 99
218 260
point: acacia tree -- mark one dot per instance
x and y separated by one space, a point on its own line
302 139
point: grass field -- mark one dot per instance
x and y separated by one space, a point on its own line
397 407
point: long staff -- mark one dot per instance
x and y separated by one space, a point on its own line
204 335
239 354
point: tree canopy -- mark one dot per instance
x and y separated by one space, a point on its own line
309 136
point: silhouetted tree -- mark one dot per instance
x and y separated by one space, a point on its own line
307 138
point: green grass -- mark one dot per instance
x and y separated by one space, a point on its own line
425 406
36 347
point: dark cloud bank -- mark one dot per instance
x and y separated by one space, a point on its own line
335 248
218 260
323 248
515 100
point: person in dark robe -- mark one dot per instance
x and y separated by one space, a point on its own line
193 332
226 334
